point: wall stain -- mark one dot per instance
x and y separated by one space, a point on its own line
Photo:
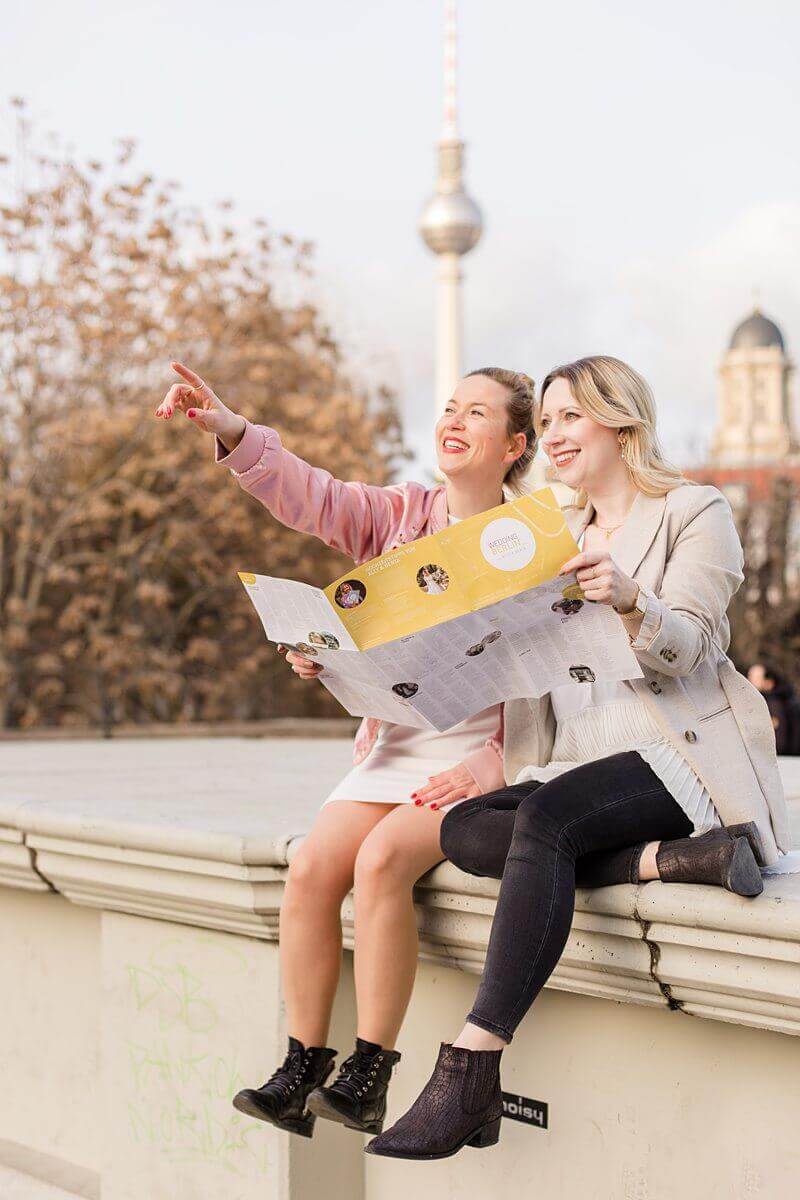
655 957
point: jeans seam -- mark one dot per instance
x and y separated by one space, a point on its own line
562 832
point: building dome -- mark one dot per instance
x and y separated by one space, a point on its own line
451 223
756 333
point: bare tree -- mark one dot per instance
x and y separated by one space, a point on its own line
765 613
119 540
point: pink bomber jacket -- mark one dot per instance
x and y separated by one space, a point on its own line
361 520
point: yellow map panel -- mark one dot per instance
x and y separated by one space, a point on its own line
477 562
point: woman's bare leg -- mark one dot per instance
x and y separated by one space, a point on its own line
310 944
647 863
392 858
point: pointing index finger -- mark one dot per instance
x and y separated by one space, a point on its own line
188 375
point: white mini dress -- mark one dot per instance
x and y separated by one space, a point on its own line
402 759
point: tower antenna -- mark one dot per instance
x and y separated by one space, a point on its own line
450 122
450 225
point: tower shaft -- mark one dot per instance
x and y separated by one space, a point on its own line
449 332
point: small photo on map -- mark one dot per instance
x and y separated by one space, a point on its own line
567 607
304 648
350 594
583 674
405 690
433 580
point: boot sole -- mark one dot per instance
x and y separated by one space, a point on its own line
744 877
319 1104
749 830
302 1126
479 1139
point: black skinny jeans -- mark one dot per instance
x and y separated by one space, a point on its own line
532 835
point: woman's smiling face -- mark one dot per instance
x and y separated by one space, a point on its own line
580 449
472 433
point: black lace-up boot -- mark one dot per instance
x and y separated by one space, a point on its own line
460 1105
357 1097
282 1099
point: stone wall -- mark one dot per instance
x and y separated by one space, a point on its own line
138 926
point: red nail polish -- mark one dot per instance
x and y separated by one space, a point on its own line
417 803
191 413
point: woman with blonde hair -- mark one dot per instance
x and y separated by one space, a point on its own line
368 835
604 771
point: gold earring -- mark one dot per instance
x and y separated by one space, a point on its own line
623 444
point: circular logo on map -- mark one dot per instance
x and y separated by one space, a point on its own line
507 544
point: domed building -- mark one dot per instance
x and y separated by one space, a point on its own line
755 461
756 426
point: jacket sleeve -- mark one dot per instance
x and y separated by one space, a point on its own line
356 518
486 765
702 574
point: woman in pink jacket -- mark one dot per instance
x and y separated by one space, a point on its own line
368 835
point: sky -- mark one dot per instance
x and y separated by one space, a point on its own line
637 165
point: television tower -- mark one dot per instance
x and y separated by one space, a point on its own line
450 226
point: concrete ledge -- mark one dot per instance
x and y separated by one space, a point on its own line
17 865
274 727
192 891
201 835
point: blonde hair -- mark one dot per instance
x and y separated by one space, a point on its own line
614 395
519 409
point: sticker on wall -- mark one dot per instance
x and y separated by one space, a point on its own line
530 1112
507 544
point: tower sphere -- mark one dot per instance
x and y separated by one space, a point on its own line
451 223
757 332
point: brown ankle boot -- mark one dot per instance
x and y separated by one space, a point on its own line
717 858
460 1105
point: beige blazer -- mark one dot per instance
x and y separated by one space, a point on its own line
684 552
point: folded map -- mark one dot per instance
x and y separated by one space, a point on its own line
450 624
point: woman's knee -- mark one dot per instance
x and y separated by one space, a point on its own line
382 865
541 815
476 840
315 875
457 832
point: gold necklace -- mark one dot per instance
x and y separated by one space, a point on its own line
609 529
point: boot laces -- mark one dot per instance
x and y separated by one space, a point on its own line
290 1073
357 1074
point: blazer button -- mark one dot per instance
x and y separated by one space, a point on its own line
655 686
690 735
